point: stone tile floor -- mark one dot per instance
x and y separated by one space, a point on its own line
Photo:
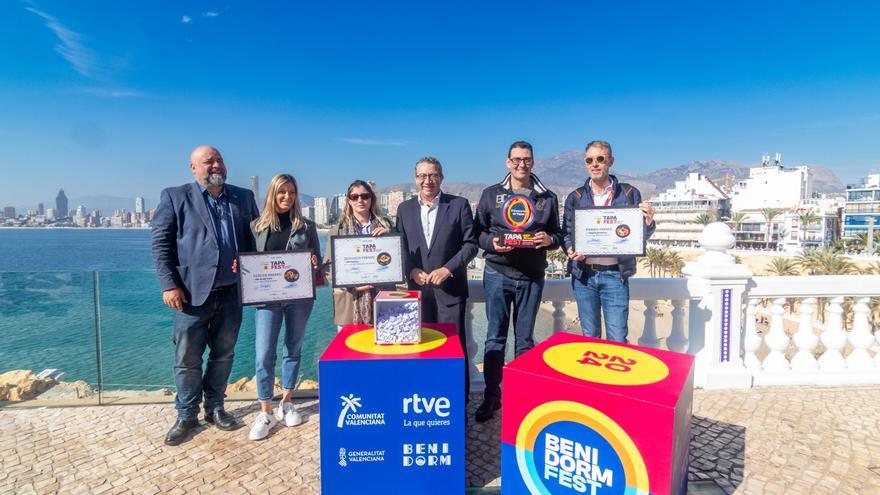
797 440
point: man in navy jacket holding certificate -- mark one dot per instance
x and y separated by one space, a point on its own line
602 281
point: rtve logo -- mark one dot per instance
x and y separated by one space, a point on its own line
426 405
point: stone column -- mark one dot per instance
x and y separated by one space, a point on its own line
715 326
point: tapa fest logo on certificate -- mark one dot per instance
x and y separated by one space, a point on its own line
353 414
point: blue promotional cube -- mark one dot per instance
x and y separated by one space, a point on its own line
392 415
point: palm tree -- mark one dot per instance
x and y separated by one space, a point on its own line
736 220
806 218
769 215
653 260
673 263
704 219
782 267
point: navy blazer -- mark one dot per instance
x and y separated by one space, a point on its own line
454 244
184 243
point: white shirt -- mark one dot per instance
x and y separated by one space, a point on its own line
599 200
428 213
364 229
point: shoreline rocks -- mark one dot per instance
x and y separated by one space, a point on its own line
22 385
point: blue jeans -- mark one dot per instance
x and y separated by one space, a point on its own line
214 325
608 290
502 292
268 326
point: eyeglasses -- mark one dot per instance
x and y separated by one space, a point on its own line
423 177
218 210
599 159
522 161
364 197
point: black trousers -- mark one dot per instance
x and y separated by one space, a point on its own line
433 312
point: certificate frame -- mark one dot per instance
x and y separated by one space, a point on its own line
345 263
264 277
609 241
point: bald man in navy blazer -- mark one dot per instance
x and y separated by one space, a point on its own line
439 242
198 230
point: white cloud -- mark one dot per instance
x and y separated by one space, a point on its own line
115 93
210 13
71 46
186 19
374 142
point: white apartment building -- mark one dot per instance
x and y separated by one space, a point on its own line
788 191
772 186
679 208
393 200
322 211
309 212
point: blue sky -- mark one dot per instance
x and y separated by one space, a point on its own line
110 97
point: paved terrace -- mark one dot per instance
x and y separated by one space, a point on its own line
765 440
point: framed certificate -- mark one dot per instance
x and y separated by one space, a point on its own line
366 260
275 276
608 231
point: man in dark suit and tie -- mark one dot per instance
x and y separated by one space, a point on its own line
197 231
439 242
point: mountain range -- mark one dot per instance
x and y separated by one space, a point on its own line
563 172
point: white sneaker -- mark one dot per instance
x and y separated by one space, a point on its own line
288 412
262 425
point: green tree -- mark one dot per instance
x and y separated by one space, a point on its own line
704 219
736 220
806 218
653 260
673 264
769 215
783 267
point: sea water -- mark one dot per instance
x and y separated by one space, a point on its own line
48 313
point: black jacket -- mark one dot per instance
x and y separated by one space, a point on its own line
453 244
521 263
624 195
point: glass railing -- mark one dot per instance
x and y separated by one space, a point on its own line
104 337
101 337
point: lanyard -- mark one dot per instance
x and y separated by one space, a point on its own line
609 198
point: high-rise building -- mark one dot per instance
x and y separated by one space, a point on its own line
61 209
309 212
337 207
41 209
80 211
9 212
255 188
50 213
322 212
394 199
862 207
139 204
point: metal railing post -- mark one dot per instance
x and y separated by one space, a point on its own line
96 285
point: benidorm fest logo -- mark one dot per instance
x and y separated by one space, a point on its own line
565 447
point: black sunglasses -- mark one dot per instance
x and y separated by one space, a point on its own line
364 196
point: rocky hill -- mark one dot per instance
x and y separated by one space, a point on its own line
565 171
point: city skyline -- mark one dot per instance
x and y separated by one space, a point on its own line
111 99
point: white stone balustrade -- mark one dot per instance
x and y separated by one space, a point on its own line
723 303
